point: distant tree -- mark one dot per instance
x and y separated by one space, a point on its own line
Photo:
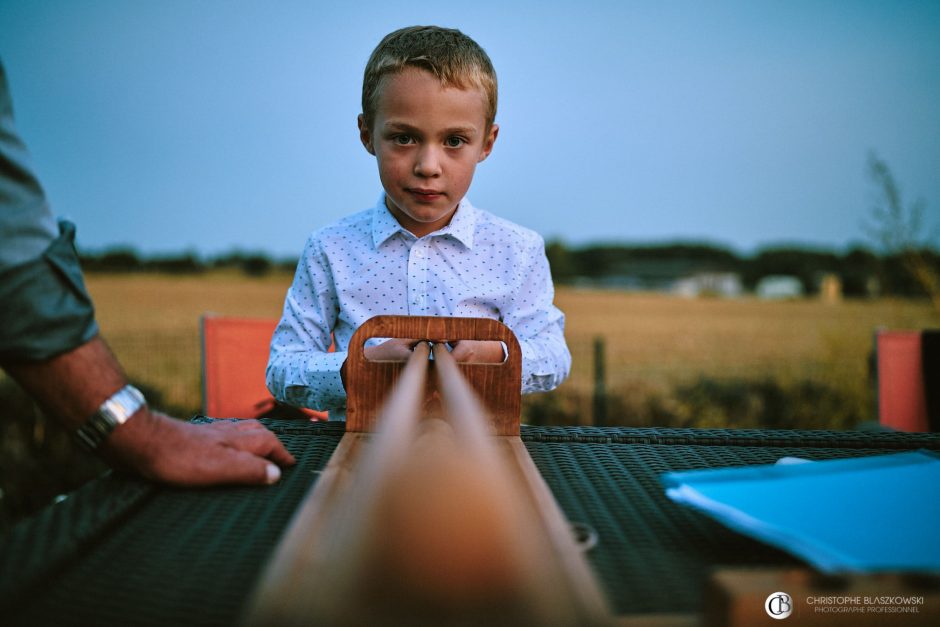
706 254
597 261
256 265
112 260
227 260
185 263
563 264
287 264
252 264
859 267
603 260
899 229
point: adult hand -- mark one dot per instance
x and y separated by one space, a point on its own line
185 454
478 352
71 386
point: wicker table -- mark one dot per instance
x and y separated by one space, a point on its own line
122 551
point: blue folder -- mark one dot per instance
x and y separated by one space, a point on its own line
866 514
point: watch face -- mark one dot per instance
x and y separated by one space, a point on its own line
113 412
122 405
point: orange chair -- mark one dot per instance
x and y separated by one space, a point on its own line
234 357
903 377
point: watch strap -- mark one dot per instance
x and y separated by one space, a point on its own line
113 412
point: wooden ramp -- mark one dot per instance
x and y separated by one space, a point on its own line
430 511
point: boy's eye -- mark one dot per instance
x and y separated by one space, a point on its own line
454 142
403 140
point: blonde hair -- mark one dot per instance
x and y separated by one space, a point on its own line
455 59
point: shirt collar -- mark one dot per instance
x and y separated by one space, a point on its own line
461 227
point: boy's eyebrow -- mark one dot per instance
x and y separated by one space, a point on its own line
393 125
461 130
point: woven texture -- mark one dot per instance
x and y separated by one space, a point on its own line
122 552
186 557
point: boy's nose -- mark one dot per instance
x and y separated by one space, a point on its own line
428 163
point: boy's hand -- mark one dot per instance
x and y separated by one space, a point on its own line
478 352
396 349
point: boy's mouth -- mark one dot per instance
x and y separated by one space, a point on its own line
426 195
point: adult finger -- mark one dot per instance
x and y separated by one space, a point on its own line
232 466
247 424
254 437
262 443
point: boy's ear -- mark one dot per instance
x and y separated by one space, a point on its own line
488 142
365 135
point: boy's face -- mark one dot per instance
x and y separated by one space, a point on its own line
427 140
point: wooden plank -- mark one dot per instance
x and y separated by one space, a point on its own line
577 575
294 572
368 382
427 521
561 580
314 567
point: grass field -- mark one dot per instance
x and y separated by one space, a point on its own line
719 362
669 360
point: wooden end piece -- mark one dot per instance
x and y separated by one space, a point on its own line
369 382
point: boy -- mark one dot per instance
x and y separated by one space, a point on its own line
428 110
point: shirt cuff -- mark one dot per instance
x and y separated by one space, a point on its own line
46 308
322 384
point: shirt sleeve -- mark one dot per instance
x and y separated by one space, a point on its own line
538 324
301 371
45 309
27 226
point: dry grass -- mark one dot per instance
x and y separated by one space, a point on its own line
152 323
653 342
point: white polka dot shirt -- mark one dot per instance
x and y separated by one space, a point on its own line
367 264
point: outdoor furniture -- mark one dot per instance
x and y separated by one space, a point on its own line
907 369
124 551
234 357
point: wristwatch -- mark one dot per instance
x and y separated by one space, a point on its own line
113 412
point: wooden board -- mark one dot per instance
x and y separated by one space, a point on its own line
369 382
430 520
303 584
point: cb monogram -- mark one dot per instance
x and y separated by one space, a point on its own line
778 605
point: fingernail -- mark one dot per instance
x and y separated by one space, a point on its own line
273 473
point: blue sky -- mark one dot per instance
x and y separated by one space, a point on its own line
210 126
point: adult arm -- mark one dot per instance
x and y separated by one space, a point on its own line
72 386
49 343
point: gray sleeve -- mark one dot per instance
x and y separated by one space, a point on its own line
27 226
44 307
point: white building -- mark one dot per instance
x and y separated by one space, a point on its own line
779 286
727 284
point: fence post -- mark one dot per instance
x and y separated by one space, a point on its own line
600 388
